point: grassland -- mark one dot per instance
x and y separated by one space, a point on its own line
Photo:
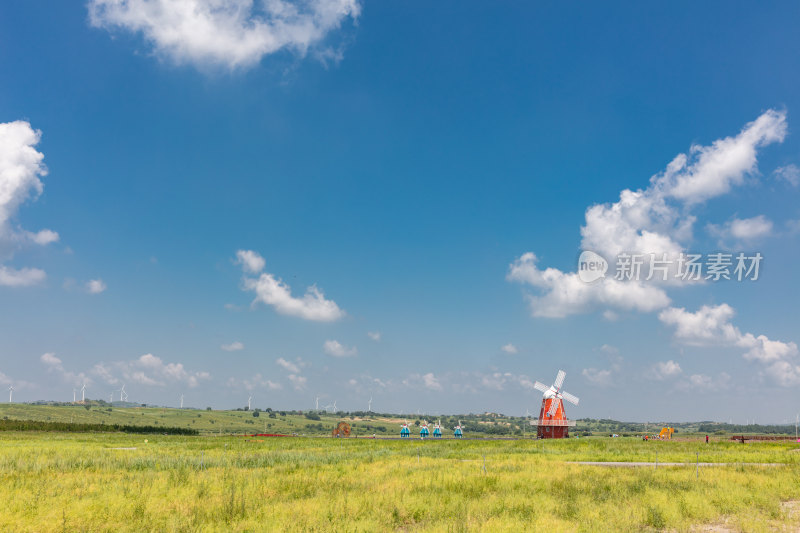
118 482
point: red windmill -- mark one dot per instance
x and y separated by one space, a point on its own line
553 423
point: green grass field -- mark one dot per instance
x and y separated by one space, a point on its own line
119 482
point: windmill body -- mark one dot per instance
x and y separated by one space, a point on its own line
437 431
458 431
404 431
552 422
424 431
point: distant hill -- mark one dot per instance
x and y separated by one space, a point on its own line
207 421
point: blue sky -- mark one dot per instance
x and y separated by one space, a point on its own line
402 158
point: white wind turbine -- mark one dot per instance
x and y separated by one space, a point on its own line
316 404
123 396
83 393
74 393
369 404
248 402
181 401
10 393
334 406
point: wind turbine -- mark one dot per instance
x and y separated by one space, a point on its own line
10 393
83 393
369 404
111 397
123 396
248 402
181 401
74 392
316 404
334 406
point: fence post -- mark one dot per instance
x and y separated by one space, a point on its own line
484 463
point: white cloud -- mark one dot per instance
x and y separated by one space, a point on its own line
298 382
21 168
741 232
251 261
565 294
374 335
148 370
337 349
509 348
710 326
56 366
24 277
256 382
274 292
655 220
228 33
233 347
431 381
288 365
428 381
95 286
705 383
664 370
598 377
790 174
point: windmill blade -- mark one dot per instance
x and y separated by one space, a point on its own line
570 398
560 379
541 387
554 406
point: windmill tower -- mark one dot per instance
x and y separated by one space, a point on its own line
437 430
423 430
83 393
369 405
552 422
458 431
404 431
10 393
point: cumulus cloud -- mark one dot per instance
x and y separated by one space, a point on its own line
95 286
255 382
428 381
374 335
288 365
274 292
228 33
21 167
336 349
509 348
655 220
251 261
24 277
597 376
149 370
235 346
56 366
298 382
789 173
741 231
664 370
705 383
711 326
